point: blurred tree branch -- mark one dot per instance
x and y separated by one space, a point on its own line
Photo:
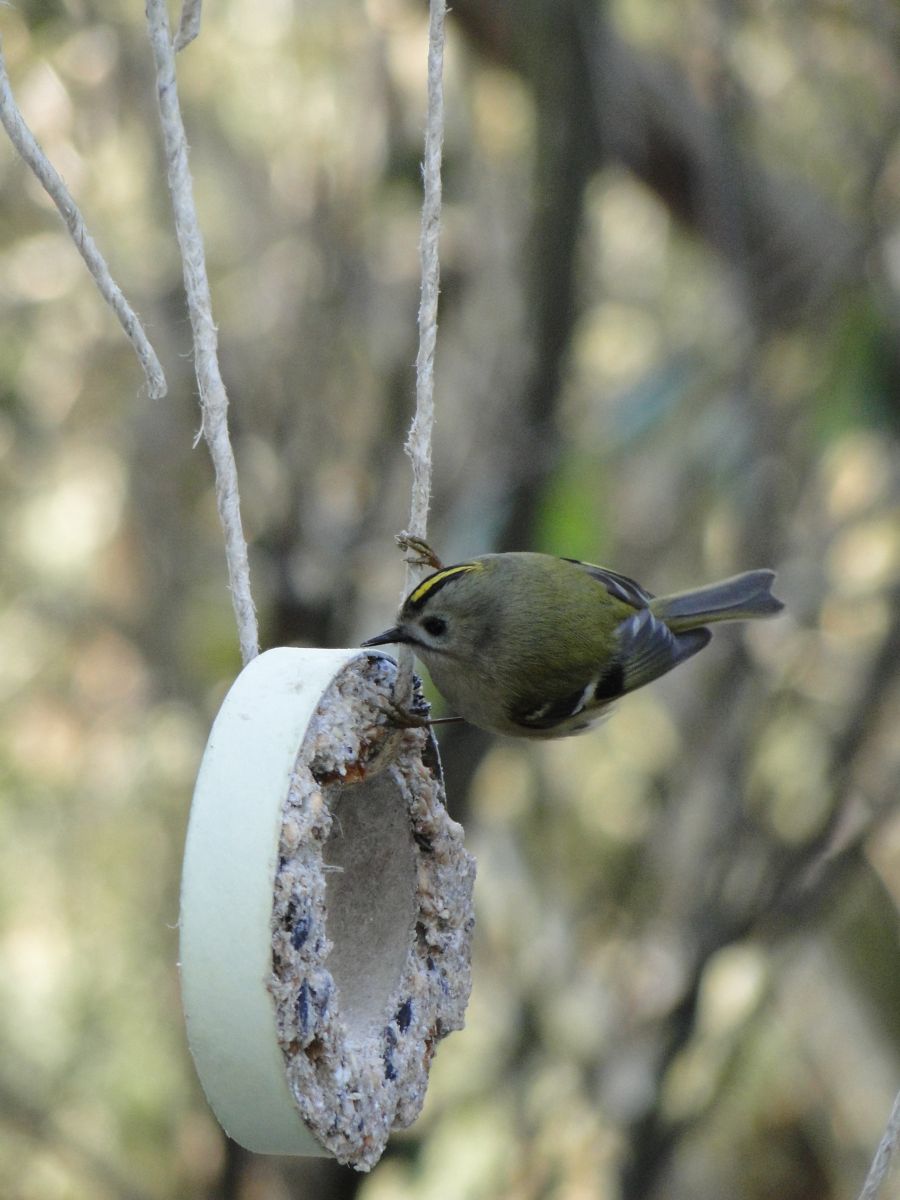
553 49
784 885
33 1118
640 111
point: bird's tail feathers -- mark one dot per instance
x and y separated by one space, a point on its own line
739 598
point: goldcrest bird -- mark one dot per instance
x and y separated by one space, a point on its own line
536 646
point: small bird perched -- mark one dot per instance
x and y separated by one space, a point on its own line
536 646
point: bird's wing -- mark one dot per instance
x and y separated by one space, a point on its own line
554 712
620 586
572 704
646 649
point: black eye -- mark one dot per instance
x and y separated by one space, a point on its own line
436 626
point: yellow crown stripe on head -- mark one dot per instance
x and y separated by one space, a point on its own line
436 581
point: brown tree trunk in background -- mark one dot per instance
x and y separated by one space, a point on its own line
642 113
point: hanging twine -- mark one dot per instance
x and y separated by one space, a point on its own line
52 183
418 442
881 1163
213 397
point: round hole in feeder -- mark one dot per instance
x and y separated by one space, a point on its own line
370 898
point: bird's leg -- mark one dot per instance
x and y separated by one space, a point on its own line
403 718
415 716
422 554
409 711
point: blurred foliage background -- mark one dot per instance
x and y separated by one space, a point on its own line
669 342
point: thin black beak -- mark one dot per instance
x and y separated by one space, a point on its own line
389 636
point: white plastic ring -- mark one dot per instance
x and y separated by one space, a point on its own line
325 909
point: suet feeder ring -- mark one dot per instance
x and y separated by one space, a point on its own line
326 909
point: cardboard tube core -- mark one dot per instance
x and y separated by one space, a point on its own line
370 899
